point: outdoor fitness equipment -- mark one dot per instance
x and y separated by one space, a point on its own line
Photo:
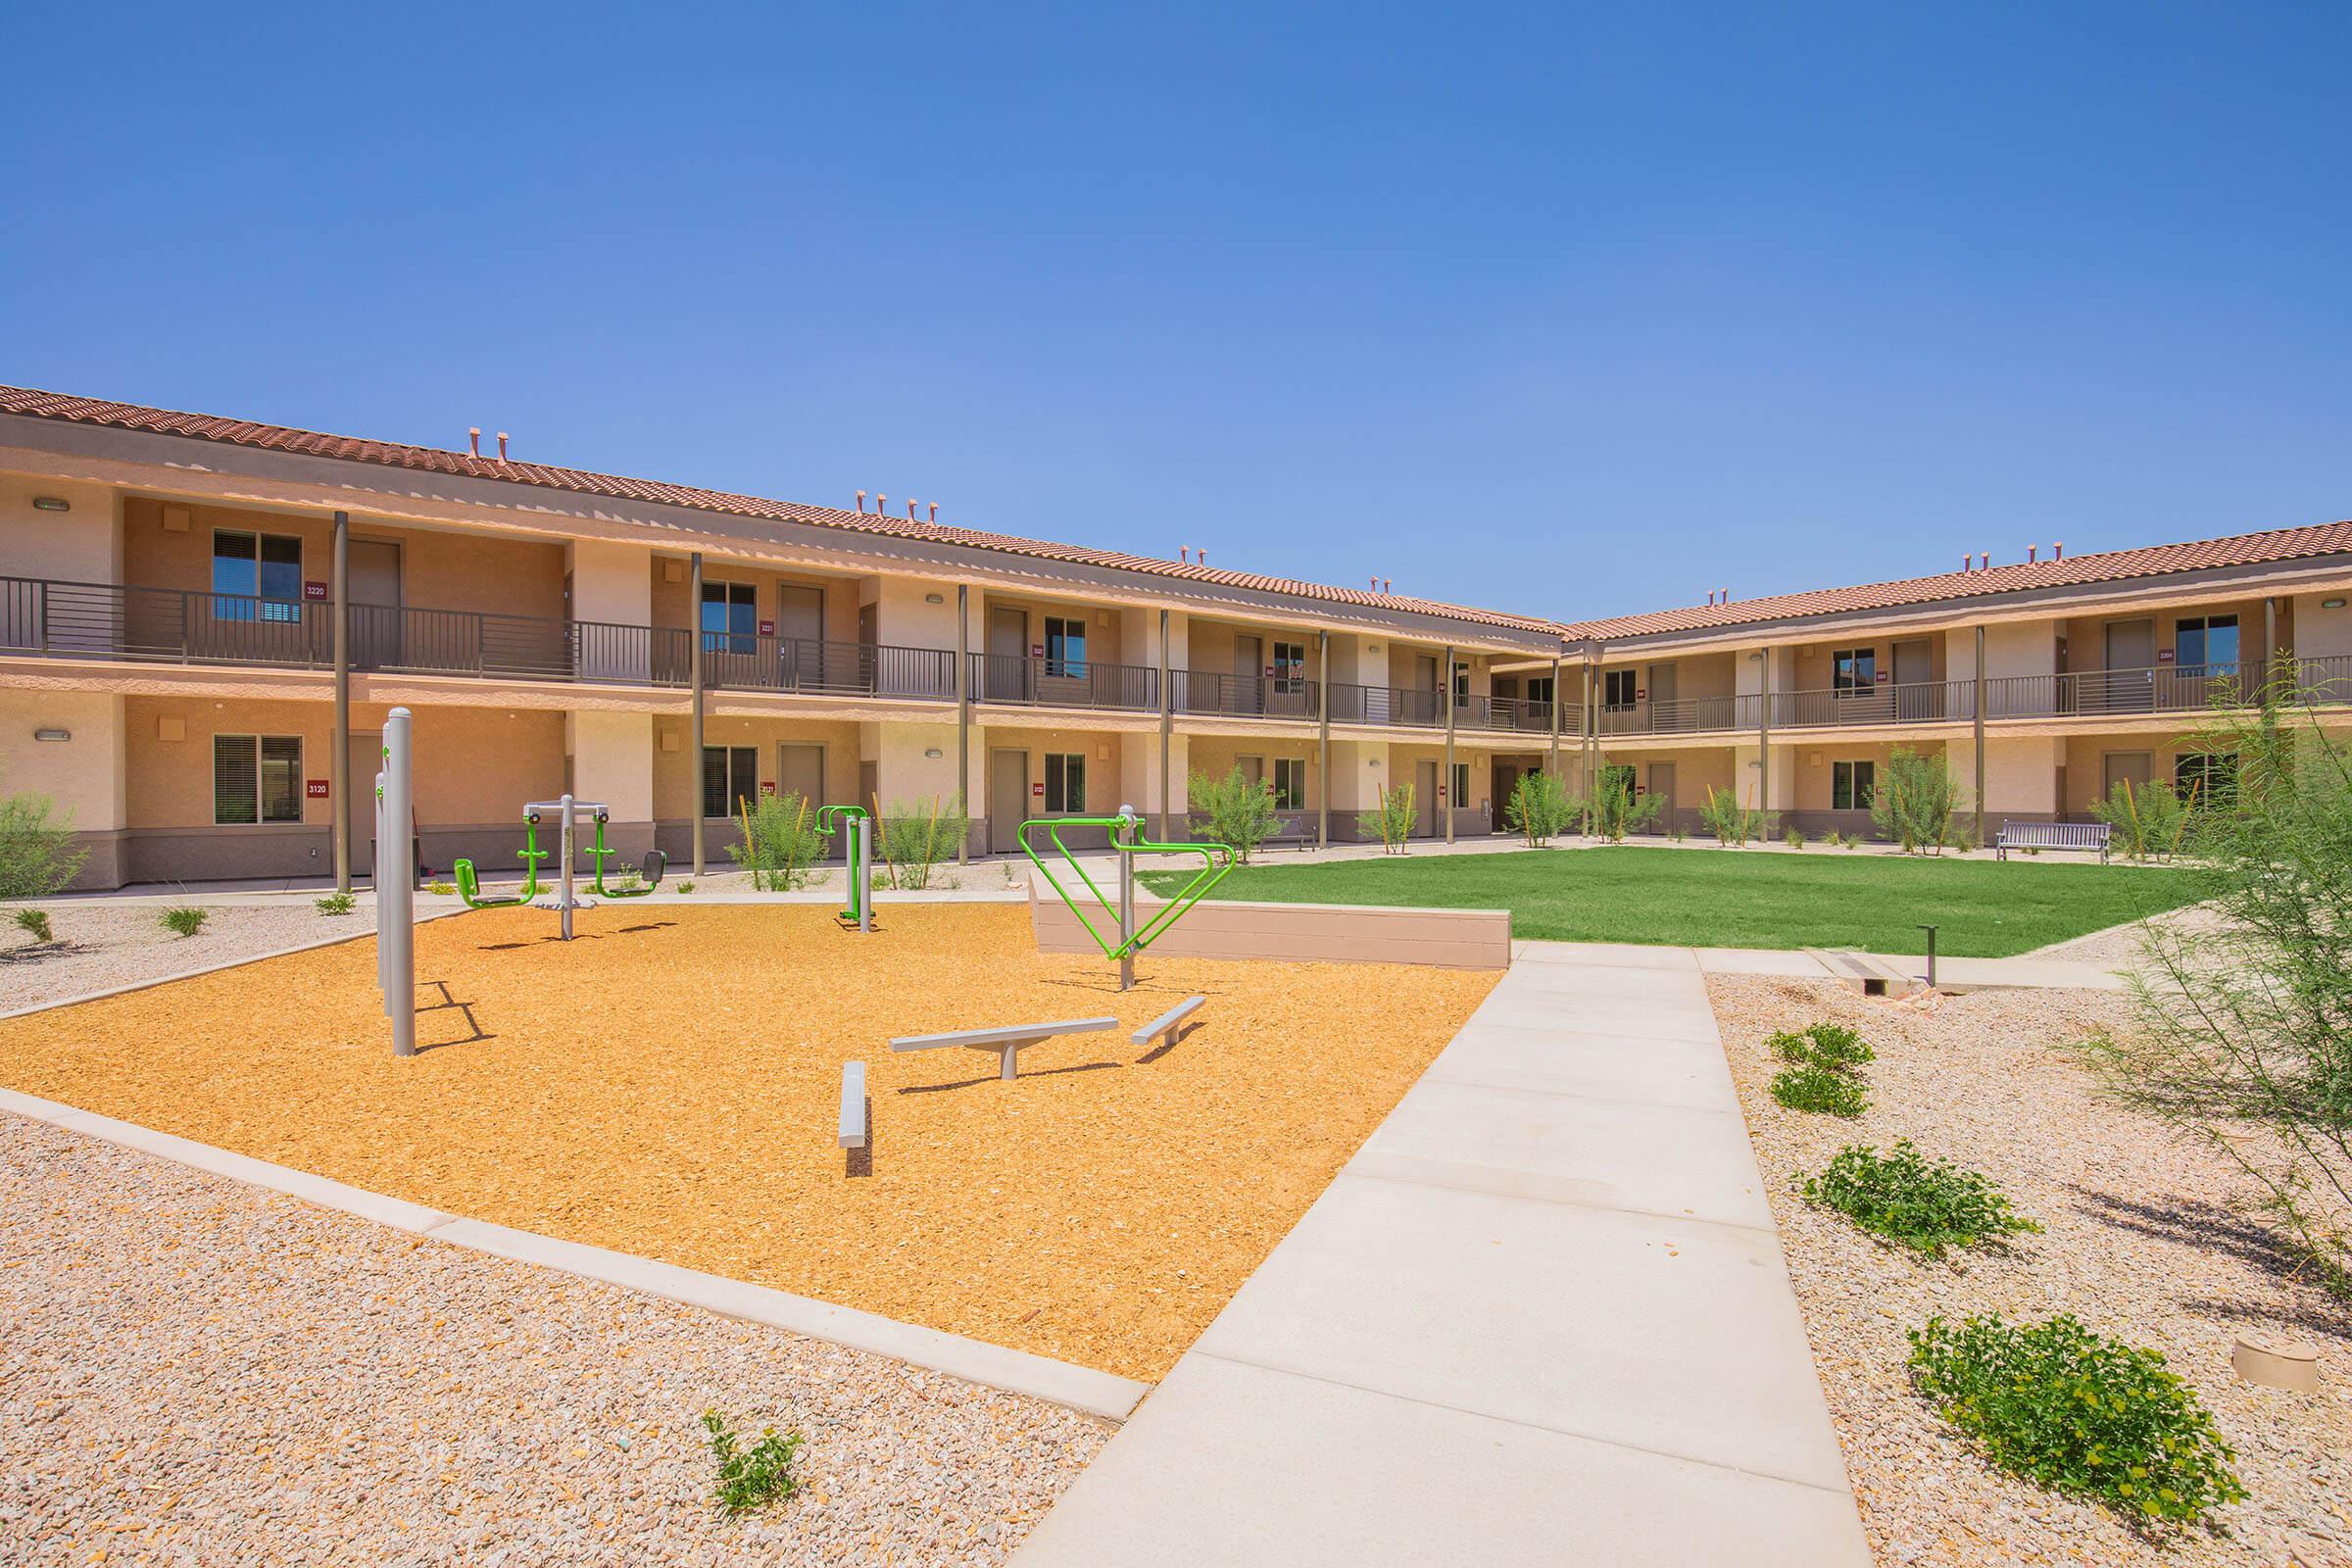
1124 829
470 886
566 812
396 890
656 863
860 911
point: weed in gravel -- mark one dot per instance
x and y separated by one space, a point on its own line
1925 1205
2080 1413
35 925
444 889
751 1476
1820 1089
1823 1045
686 886
335 903
185 920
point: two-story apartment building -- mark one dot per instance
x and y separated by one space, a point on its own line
203 621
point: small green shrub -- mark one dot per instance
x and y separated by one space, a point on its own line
1391 822
1925 1205
751 1476
1235 811
1618 806
185 920
1853 841
2147 825
780 840
335 903
38 852
1794 836
686 886
1733 824
1823 1091
35 925
914 836
1823 1045
2079 1413
445 889
1538 809
1914 801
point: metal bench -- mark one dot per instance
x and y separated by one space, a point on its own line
2053 836
853 1104
1165 1027
1293 827
1008 1041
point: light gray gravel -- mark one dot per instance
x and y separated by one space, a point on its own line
193 1372
2143 1242
103 943
2122 944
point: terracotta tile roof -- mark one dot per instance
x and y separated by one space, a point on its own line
434 459
2112 566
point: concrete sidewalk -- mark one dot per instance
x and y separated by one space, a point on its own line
1968 974
1542 1317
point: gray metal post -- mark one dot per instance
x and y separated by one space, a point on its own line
1167 728
1979 707
1764 734
1446 784
1931 931
1126 829
396 894
861 857
383 956
1322 740
694 741
338 757
963 716
564 899
1556 719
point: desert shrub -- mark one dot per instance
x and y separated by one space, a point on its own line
1235 811
753 1476
1794 836
37 852
1925 1205
2245 1025
1822 1045
335 903
1823 1091
1539 809
912 837
1853 841
1733 824
2079 1413
1678 833
686 886
1618 808
2147 825
185 919
445 889
1913 804
780 840
1391 821
35 923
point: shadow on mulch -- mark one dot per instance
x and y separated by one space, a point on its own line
2210 1226
2331 1318
35 952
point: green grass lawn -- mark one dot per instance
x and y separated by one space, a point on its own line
1736 898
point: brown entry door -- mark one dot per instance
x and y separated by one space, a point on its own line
2130 682
1007 799
1661 786
1916 697
1008 656
376 621
1425 799
800 637
1249 695
1507 779
800 770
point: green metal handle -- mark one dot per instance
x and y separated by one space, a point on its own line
596 854
470 886
859 894
1192 892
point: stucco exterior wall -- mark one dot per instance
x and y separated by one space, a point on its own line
83 544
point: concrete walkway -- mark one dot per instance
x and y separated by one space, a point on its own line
1968 974
1542 1317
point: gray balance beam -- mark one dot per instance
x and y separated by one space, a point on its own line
853 1104
1007 1042
1167 1024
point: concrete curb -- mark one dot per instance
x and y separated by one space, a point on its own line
359 935
1103 1395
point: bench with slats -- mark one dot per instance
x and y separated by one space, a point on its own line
1007 1043
2085 836
1168 1024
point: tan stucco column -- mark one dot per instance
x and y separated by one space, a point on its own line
694 738
1446 779
963 716
339 753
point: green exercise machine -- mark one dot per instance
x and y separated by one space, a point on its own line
1126 838
566 812
860 912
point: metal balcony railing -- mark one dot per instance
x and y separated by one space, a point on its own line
1208 691
1064 682
1679 715
1934 701
1518 714
1384 704
98 621
740 662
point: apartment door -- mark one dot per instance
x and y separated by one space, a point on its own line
1249 689
376 621
1663 715
1008 656
1507 779
1007 799
365 756
1661 788
801 635
1916 697
2130 682
1422 706
800 770
2134 768
1425 794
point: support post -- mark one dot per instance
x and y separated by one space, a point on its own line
861 866
396 896
963 715
1555 765
1980 727
1126 828
1323 740
694 740
2269 640
1445 783
1764 734
564 899
338 757
1167 731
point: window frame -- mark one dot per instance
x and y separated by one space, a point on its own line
261 765
229 604
1058 783
730 758
1860 789
2218 770
2204 627
1613 681
1853 671
1290 795
1290 669
1059 632
728 640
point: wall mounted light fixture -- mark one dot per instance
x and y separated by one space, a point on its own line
935 599
51 504
2332 604
52 734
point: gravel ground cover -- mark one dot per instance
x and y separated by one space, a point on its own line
668 1085
103 944
197 1373
2143 1242
2122 944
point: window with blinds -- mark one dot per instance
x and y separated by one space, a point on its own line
730 777
255 778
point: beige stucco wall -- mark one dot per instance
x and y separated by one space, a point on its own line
2320 632
80 545
672 600
1816 770
85 775
1105 640
673 766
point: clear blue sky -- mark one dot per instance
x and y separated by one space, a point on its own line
1564 309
